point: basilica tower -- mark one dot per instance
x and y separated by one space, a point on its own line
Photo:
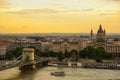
101 37
91 35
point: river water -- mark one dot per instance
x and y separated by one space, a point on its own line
71 74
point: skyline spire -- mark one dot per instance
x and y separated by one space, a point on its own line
100 27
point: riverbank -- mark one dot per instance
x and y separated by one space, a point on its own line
65 64
93 65
101 65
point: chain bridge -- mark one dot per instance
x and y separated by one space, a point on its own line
27 61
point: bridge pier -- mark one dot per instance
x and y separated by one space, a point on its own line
27 67
28 62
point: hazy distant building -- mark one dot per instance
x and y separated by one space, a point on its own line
3 49
15 45
45 46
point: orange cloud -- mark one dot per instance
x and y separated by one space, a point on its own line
2 2
44 10
31 11
106 14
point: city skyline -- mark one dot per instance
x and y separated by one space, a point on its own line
64 16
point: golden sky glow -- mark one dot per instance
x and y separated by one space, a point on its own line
69 16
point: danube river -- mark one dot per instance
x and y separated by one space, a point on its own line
71 74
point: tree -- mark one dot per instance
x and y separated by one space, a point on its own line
17 52
109 56
91 51
67 54
87 52
99 60
61 56
53 54
74 55
95 53
100 53
83 53
9 55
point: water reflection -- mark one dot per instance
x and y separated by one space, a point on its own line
71 74
9 74
26 75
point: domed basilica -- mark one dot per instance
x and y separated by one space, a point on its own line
100 39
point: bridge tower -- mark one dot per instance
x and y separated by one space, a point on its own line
27 59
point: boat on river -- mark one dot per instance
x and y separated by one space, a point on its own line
58 73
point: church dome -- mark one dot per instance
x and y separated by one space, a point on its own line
100 30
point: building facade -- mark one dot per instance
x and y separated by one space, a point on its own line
113 48
66 45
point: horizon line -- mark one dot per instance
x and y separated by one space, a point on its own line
60 33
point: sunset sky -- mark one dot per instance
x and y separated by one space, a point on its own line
64 16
